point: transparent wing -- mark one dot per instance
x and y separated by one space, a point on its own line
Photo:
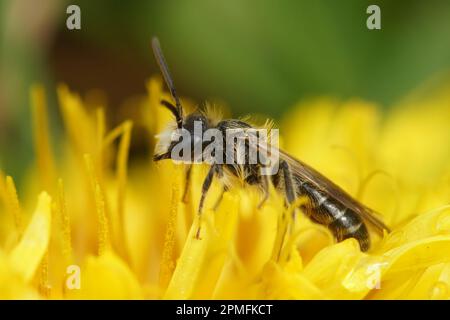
304 172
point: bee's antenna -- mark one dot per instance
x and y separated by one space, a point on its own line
168 79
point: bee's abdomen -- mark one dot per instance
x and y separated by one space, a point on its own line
350 225
343 222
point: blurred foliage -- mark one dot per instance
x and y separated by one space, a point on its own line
258 56
262 55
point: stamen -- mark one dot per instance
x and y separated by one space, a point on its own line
44 286
101 129
167 265
122 174
285 221
64 220
79 125
118 220
104 241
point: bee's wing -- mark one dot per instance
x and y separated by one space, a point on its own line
305 172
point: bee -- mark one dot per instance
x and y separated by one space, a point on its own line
328 204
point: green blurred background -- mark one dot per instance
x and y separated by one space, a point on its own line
256 55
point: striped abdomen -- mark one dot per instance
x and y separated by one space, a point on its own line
341 221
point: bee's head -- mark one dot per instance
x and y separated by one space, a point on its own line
184 135
195 122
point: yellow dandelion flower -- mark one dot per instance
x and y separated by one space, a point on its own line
106 230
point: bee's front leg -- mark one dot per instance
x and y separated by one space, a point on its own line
187 183
215 169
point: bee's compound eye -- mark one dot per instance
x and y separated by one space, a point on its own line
195 121
199 120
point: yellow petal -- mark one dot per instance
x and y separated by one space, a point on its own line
418 254
425 225
424 126
330 268
280 283
433 284
202 261
107 277
400 268
256 230
188 267
12 285
26 256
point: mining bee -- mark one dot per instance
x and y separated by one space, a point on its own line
328 204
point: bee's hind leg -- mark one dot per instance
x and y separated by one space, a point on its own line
289 184
265 179
290 190
215 169
290 193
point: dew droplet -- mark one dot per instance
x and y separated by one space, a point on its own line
439 291
443 222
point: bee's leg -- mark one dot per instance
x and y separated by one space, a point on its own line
265 188
219 171
265 179
288 182
187 183
206 185
219 200
284 176
291 193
